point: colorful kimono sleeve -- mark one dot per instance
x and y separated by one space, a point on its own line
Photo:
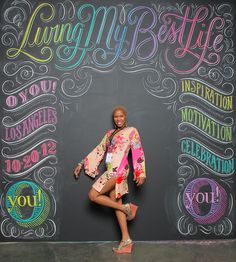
137 155
95 157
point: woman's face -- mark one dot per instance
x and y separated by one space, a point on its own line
119 118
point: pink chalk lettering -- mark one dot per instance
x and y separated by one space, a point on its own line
194 200
34 121
32 91
183 30
23 96
31 158
11 101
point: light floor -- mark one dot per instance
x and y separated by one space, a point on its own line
160 251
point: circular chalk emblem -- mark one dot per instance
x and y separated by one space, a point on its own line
27 204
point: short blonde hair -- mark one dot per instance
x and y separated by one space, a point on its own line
122 108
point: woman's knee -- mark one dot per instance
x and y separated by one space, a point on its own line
92 195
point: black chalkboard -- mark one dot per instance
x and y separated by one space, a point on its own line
65 65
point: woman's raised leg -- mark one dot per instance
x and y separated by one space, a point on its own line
102 199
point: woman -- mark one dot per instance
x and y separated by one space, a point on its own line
112 185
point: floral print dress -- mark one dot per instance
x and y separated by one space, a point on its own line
116 159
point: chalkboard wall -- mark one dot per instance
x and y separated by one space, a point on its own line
65 65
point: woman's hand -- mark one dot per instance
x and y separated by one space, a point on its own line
139 181
77 171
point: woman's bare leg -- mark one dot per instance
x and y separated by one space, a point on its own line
121 217
102 199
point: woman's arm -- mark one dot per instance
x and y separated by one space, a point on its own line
137 157
93 159
78 168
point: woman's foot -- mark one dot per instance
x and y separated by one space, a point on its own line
130 211
125 246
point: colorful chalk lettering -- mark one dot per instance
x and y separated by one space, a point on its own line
165 42
27 93
218 164
23 163
18 204
217 98
74 42
212 128
29 124
194 200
